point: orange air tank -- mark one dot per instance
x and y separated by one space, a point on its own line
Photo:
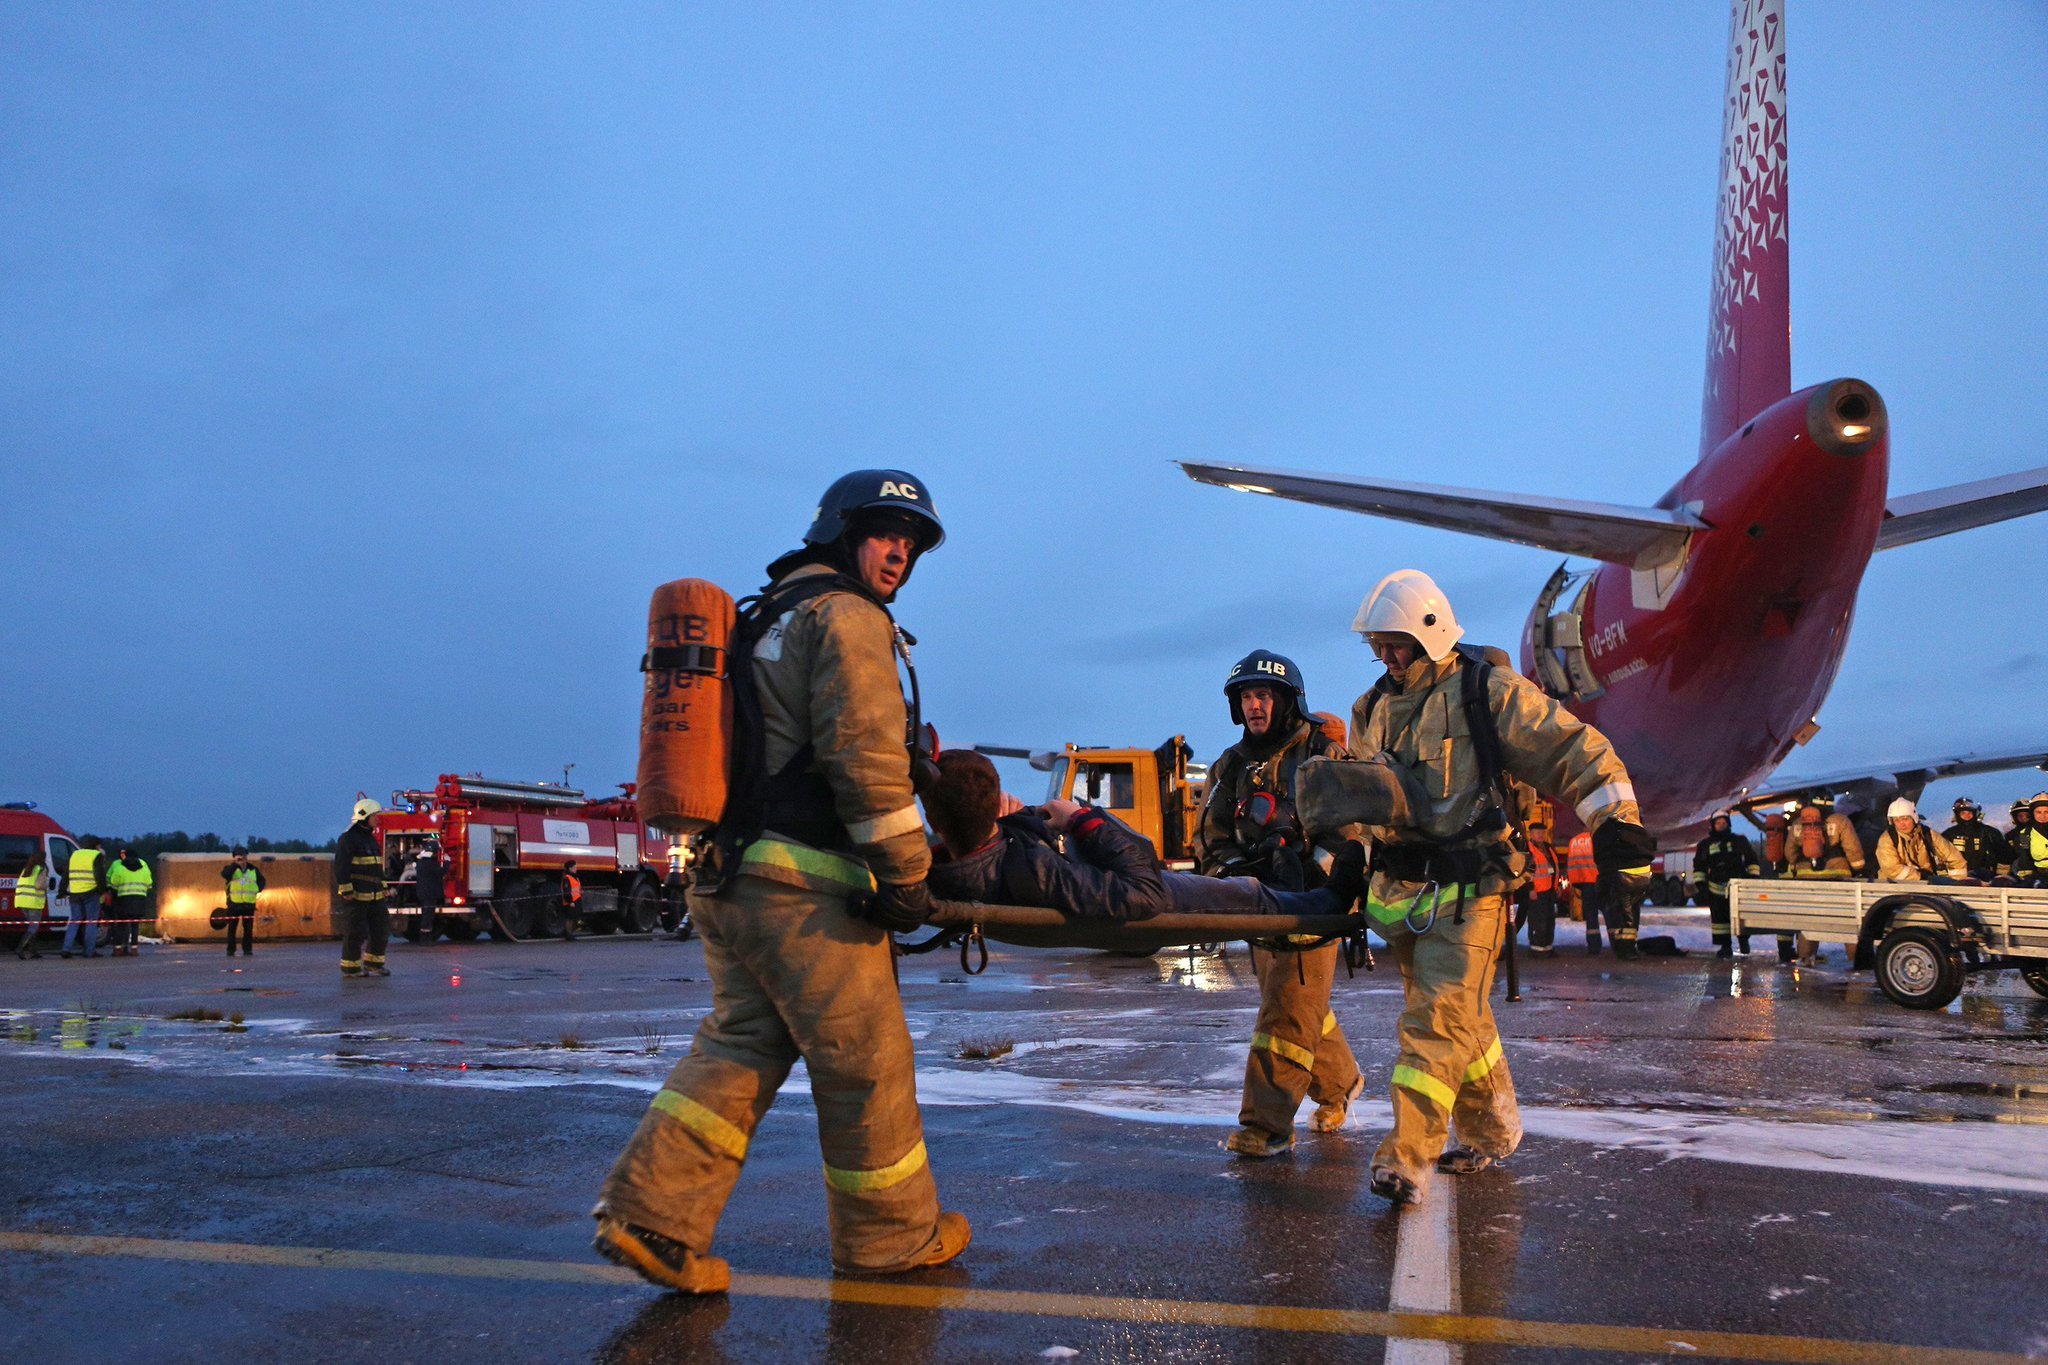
686 707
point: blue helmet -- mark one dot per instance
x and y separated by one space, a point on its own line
1266 669
876 491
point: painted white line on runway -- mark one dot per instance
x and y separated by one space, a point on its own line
1426 1273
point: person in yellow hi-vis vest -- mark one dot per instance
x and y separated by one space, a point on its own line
131 881
818 861
85 882
32 903
244 884
1462 725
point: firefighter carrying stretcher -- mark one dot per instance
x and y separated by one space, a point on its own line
1456 727
1249 827
820 854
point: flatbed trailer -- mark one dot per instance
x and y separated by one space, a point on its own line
1923 939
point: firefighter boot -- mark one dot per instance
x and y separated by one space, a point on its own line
1330 1116
658 1259
373 965
1257 1143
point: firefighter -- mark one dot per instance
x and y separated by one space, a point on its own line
244 884
2021 819
2030 844
31 902
130 881
1982 846
1543 882
821 853
1911 852
359 880
1583 878
1249 828
1720 858
1462 726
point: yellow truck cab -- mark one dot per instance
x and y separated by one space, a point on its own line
1157 792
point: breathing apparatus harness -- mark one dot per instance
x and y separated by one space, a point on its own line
1464 858
793 800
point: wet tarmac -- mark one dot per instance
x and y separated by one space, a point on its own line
1729 1160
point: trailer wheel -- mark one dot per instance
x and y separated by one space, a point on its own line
1918 968
643 909
2036 975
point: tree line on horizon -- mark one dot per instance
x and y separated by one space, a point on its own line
148 846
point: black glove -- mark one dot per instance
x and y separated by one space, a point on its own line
898 908
1622 850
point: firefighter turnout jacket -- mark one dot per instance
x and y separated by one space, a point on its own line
359 865
1981 846
2029 848
1252 765
1423 729
1917 856
1721 858
825 674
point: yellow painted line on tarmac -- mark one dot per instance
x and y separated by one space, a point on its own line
1150 1312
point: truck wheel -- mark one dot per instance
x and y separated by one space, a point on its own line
461 929
1919 969
2036 975
643 910
514 911
547 917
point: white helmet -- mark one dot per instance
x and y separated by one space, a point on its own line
365 808
1408 602
1902 807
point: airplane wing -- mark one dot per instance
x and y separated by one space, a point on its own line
1879 779
1636 536
1942 511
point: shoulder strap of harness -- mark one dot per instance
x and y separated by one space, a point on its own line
750 785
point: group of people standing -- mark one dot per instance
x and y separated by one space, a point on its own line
94 891
821 855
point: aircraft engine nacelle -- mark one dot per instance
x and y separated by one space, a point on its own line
1846 417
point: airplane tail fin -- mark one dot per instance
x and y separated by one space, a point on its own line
1749 324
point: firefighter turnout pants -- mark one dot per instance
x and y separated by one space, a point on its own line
792 975
365 934
1297 1047
1450 1070
1622 911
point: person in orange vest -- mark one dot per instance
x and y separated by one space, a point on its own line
1543 889
1584 879
572 900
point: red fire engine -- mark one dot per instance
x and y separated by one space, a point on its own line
503 846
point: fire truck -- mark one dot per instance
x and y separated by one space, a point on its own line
503 846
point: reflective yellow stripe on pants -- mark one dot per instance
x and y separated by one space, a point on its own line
715 1131
1280 1047
1422 1083
1485 1062
867 1182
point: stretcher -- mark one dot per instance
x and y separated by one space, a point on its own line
1923 939
972 922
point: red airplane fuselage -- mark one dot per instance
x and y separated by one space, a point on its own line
1705 693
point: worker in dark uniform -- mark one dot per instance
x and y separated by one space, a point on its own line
820 855
1982 846
2022 819
359 880
1717 860
572 900
429 889
1249 829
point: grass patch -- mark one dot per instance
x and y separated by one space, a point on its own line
653 1035
197 1014
986 1047
235 1024
570 1039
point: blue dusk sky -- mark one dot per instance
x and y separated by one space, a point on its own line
365 366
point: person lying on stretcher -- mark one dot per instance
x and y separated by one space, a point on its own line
1109 870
